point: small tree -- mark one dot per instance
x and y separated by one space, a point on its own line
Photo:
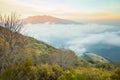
63 57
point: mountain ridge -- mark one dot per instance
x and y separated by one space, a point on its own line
94 58
46 19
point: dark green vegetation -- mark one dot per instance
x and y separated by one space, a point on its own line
24 58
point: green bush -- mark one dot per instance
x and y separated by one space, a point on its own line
73 74
21 72
85 74
116 75
49 72
28 71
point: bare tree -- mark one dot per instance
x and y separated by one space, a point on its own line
62 57
9 34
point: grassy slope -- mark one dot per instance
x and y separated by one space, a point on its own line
32 45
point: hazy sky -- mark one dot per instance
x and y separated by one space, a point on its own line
69 9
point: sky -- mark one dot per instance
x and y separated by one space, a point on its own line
67 9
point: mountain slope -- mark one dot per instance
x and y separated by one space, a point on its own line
94 58
47 20
110 52
30 44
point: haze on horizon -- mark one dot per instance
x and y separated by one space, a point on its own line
86 10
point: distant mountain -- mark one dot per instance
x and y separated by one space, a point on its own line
94 58
47 20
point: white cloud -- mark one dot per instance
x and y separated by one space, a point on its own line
75 37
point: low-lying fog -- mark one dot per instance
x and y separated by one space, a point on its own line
80 38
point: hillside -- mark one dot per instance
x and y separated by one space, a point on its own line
32 45
94 58
110 52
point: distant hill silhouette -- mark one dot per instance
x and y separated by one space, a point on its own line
47 20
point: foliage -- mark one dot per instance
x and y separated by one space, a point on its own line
116 74
49 72
82 73
21 72
28 71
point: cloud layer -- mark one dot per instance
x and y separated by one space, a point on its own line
75 37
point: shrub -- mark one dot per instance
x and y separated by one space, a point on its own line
21 72
116 74
49 72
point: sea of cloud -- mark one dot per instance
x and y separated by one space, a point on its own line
75 37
